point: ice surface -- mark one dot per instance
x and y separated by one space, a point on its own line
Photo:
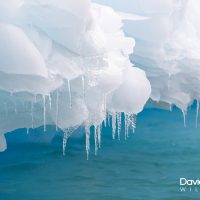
65 63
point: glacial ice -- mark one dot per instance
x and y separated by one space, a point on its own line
167 47
66 63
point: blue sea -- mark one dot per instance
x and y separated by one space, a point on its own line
147 166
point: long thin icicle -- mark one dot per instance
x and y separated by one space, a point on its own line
65 138
44 109
113 125
57 107
109 119
32 115
83 85
95 140
87 140
197 113
184 118
50 101
132 121
99 131
126 125
119 124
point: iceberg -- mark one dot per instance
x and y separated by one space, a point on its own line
169 51
66 63
167 48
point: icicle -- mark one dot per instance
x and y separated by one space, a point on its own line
132 121
87 141
113 125
119 124
184 118
32 115
65 138
57 104
197 113
83 85
50 101
44 109
99 131
95 140
109 119
70 95
126 125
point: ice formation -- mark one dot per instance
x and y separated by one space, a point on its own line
66 63
170 51
167 47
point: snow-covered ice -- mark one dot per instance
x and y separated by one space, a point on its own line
72 63
65 63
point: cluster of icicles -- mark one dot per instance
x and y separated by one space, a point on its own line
112 120
115 121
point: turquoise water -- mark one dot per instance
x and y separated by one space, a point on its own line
145 167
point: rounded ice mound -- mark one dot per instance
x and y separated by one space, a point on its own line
131 95
18 54
66 63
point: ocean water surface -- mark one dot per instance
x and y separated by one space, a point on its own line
147 166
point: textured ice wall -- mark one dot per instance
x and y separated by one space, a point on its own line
65 63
